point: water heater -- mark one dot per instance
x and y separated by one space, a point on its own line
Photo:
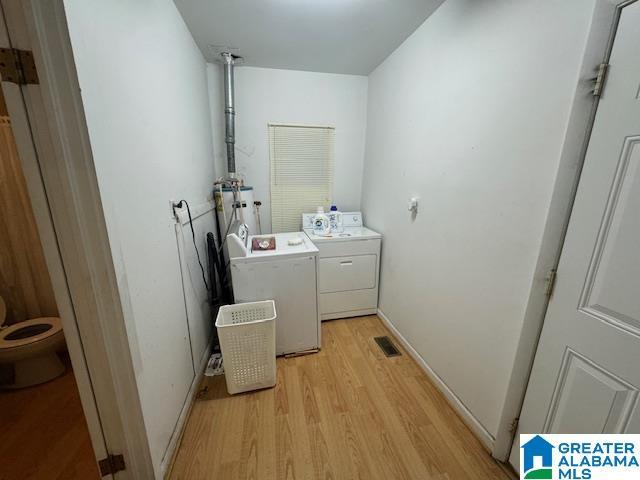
245 209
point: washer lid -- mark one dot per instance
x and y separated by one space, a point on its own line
29 331
302 246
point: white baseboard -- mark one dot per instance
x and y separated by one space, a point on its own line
469 419
174 441
349 314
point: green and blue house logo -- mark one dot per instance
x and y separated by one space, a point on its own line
580 457
537 459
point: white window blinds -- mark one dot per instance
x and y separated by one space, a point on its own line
301 172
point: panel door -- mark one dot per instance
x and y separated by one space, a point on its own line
586 373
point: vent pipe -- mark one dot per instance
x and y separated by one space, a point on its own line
228 61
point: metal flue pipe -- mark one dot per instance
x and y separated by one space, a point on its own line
228 61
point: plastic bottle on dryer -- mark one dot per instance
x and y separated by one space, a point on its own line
335 220
321 225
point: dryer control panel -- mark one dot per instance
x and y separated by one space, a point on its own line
349 219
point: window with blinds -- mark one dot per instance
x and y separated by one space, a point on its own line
301 172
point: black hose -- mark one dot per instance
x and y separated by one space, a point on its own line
195 245
216 297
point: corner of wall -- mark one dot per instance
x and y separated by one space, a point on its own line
216 109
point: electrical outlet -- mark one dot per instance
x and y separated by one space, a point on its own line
173 206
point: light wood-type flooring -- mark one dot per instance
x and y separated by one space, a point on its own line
347 412
43 433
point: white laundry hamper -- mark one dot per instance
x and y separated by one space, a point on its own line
247 333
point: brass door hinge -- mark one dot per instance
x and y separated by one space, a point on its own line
513 427
551 282
18 66
600 79
111 464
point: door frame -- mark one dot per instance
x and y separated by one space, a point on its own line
53 144
600 39
40 206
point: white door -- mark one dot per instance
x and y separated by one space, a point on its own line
22 130
586 373
48 125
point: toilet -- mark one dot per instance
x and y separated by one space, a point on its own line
28 351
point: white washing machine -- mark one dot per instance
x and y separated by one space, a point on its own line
349 268
289 276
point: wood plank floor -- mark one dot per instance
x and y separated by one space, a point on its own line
43 433
347 412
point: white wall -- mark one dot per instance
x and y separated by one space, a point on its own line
145 96
266 95
469 115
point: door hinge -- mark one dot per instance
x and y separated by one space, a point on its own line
111 464
513 427
18 66
551 282
600 79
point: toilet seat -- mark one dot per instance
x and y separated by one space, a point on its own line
54 327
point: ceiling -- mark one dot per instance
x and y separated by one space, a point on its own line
336 36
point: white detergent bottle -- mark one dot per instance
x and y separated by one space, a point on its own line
321 225
335 220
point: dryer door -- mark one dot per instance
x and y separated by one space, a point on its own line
339 274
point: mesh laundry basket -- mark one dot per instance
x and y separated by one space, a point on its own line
247 333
